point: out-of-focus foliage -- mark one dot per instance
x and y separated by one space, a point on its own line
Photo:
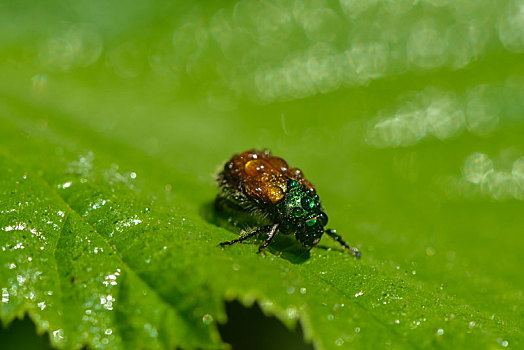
407 116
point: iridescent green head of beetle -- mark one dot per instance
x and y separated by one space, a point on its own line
302 213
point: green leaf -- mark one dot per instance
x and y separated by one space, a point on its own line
111 137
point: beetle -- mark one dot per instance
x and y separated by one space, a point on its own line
268 189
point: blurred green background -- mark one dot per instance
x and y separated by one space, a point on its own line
408 116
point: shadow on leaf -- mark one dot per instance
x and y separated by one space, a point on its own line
284 246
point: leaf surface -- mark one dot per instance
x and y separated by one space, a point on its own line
108 235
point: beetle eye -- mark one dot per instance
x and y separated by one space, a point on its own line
297 212
307 203
323 218
312 221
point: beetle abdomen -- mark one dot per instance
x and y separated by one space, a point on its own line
261 176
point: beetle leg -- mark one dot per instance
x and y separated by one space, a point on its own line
269 238
250 234
333 234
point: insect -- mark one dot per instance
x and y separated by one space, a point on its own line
268 189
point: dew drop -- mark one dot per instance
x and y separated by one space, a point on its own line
303 290
339 342
440 331
58 334
153 333
504 343
292 313
430 251
5 295
472 324
207 319
21 279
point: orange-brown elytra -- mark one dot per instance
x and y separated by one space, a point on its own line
269 189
